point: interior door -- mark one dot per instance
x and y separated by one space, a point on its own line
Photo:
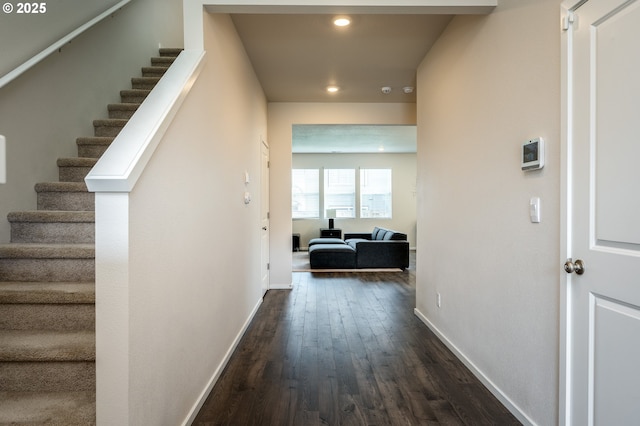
603 211
264 216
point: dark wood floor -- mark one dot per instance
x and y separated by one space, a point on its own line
346 349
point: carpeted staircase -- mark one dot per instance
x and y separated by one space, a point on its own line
47 276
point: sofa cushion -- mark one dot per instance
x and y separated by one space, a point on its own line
315 241
332 256
354 241
374 234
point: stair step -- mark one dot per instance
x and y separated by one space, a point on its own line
109 127
61 408
47 262
170 51
64 196
162 61
144 83
47 292
153 71
94 147
123 111
51 226
47 361
132 96
47 376
75 169
48 316
47 346
47 306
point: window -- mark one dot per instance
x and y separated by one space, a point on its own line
340 192
375 193
305 193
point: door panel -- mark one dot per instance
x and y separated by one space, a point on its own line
603 201
614 357
616 125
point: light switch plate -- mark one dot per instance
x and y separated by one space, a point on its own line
534 209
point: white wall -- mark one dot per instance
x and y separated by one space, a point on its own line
282 116
193 246
403 176
47 108
24 33
487 85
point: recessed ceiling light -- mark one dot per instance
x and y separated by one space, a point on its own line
341 21
332 89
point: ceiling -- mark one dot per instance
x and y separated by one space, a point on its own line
296 56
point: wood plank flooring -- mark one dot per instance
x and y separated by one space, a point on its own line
346 349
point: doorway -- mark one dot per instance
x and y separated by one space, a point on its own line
361 176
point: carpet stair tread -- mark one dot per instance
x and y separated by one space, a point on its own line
162 61
47 251
18 292
135 92
61 187
145 83
40 408
153 71
170 51
46 346
76 162
52 216
96 140
122 110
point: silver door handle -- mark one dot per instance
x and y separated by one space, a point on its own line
570 266
264 228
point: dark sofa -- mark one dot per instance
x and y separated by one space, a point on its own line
382 248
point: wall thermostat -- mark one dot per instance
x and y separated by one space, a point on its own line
533 154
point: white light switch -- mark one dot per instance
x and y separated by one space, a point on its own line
3 159
534 209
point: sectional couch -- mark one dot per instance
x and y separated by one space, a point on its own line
382 248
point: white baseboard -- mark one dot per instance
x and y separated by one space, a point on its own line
216 374
280 286
504 399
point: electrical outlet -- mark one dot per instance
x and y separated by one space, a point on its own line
438 300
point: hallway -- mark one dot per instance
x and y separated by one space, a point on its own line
346 348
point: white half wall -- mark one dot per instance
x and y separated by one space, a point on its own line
490 83
282 116
185 277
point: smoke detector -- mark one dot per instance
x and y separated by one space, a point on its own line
386 90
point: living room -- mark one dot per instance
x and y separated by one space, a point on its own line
359 176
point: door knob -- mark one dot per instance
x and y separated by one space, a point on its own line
264 228
571 266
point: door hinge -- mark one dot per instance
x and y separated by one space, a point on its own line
268 164
268 266
568 20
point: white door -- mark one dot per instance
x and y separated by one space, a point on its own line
264 216
602 311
